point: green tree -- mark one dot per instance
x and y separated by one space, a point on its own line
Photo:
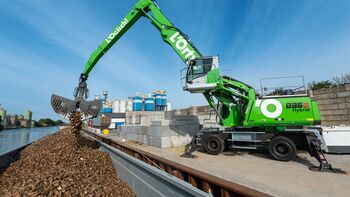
59 123
319 85
47 122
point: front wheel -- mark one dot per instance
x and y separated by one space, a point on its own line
214 144
282 148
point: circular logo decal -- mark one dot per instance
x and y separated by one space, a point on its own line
276 105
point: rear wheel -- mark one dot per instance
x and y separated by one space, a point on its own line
282 148
214 144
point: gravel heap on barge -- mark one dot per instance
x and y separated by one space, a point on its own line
63 164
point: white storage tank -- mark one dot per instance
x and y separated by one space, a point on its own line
129 104
116 106
122 106
168 106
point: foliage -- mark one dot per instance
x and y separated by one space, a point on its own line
47 122
278 91
338 81
319 85
35 124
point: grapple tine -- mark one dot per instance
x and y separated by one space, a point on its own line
90 108
64 106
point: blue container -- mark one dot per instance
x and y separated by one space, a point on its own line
158 101
137 103
117 124
107 110
164 97
149 104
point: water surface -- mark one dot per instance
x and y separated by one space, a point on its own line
14 138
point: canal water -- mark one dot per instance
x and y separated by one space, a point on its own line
14 138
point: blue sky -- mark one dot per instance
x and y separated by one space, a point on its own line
45 44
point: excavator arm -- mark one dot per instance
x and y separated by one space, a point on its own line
169 33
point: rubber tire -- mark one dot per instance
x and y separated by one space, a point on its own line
287 144
220 145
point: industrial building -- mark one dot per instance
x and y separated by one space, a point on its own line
116 110
9 121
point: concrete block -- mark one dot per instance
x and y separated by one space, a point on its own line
168 131
169 114
136 129
156 123
132 136
129 128
335 122
139 129
203 117
325 96
177 122
165 142
330 117
154 131
339 89
344 105
122 128
146 140
177 141
132 129
160 122
115 132
124 135
345 117
192 122
329 90
343 111
156 142
202 109
163 131
343 94
348 100
334 112
143 130
194 128
140 138
184 128
328 107
347 87
323 91
331 101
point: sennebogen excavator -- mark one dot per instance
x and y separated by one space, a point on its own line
248 120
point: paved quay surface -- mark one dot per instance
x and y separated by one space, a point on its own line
258 171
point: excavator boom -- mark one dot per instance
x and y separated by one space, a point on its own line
169 33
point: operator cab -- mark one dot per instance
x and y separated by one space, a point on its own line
201 74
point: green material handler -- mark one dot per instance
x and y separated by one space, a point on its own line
283 123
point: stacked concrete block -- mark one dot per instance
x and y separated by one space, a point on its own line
158 134
143 117
334 105
165 129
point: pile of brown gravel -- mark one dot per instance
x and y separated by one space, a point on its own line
62 164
